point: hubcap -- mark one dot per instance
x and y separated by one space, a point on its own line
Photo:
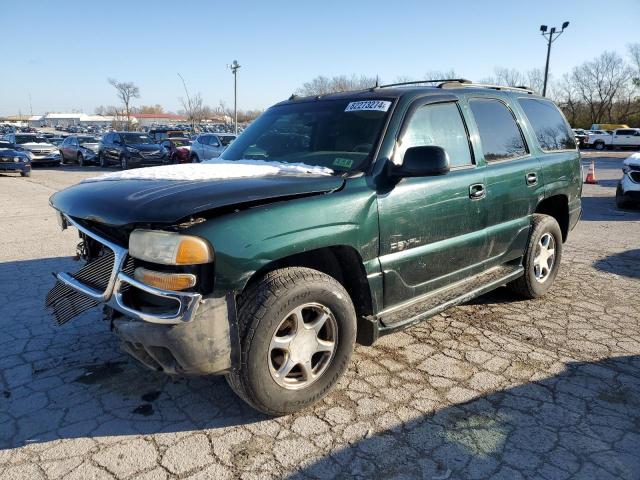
303 346
545 257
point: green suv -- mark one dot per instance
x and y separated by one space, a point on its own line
331 220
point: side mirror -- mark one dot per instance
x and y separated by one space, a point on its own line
424 161
215 144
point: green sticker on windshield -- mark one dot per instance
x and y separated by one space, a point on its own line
343 162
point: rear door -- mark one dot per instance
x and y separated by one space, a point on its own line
432 228
513 177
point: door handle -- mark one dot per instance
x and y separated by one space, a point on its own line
476 191
532 178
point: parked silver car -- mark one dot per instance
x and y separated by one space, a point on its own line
210 145
39 150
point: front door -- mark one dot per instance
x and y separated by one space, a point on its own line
432 228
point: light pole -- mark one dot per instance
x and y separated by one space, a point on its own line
234 69
550 40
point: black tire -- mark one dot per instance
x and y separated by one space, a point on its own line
528 286
25 174
261 308
80 159
195 158
102 160
598 145
620 201
124 162
61 158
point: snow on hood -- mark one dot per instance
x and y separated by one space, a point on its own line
214 169
633 160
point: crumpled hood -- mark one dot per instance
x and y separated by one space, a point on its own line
632 160
152 195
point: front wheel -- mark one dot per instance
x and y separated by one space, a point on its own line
541 259
599 146
102 159
80 160
124 163
297 330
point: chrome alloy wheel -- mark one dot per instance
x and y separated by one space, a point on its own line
302 346
545 257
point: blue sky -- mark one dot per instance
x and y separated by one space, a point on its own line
62 52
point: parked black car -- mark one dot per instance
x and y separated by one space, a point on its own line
14 159
81 149
131 149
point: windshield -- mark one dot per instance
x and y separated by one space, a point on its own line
338 134
20 139
136 138
83 140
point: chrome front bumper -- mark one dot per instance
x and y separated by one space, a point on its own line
186 303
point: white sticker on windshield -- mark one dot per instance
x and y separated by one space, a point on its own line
379 105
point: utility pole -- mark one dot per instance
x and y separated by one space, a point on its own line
550 39
234 69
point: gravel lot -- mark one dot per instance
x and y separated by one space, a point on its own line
498 388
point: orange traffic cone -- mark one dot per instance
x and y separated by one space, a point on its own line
591 175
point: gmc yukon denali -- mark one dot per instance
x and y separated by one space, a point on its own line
331 220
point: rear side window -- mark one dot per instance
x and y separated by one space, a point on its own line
499 133
549 125
439 125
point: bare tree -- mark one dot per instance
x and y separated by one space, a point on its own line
153 109
194 108
600 83
126 92
634 53
322 85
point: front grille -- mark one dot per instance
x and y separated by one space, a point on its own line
635 176
42 152
66 303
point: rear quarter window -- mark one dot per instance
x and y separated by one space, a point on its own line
548 123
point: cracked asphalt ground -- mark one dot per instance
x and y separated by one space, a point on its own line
498 388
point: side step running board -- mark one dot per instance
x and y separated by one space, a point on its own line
431 304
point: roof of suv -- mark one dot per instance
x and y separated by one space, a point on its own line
412 90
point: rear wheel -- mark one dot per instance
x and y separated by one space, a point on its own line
541 259
80 159
598 145
298 329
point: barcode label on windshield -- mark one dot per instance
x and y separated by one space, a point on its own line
379 105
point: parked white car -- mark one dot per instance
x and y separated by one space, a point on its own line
621 137
628 190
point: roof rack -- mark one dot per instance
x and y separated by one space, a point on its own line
456 84
418 82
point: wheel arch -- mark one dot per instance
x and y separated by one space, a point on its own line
342 262
556 206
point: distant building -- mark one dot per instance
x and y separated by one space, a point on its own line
148 119
67 119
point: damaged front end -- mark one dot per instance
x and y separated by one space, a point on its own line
178 332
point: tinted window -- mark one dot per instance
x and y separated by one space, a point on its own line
625 132
440 125
550 127
499 133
